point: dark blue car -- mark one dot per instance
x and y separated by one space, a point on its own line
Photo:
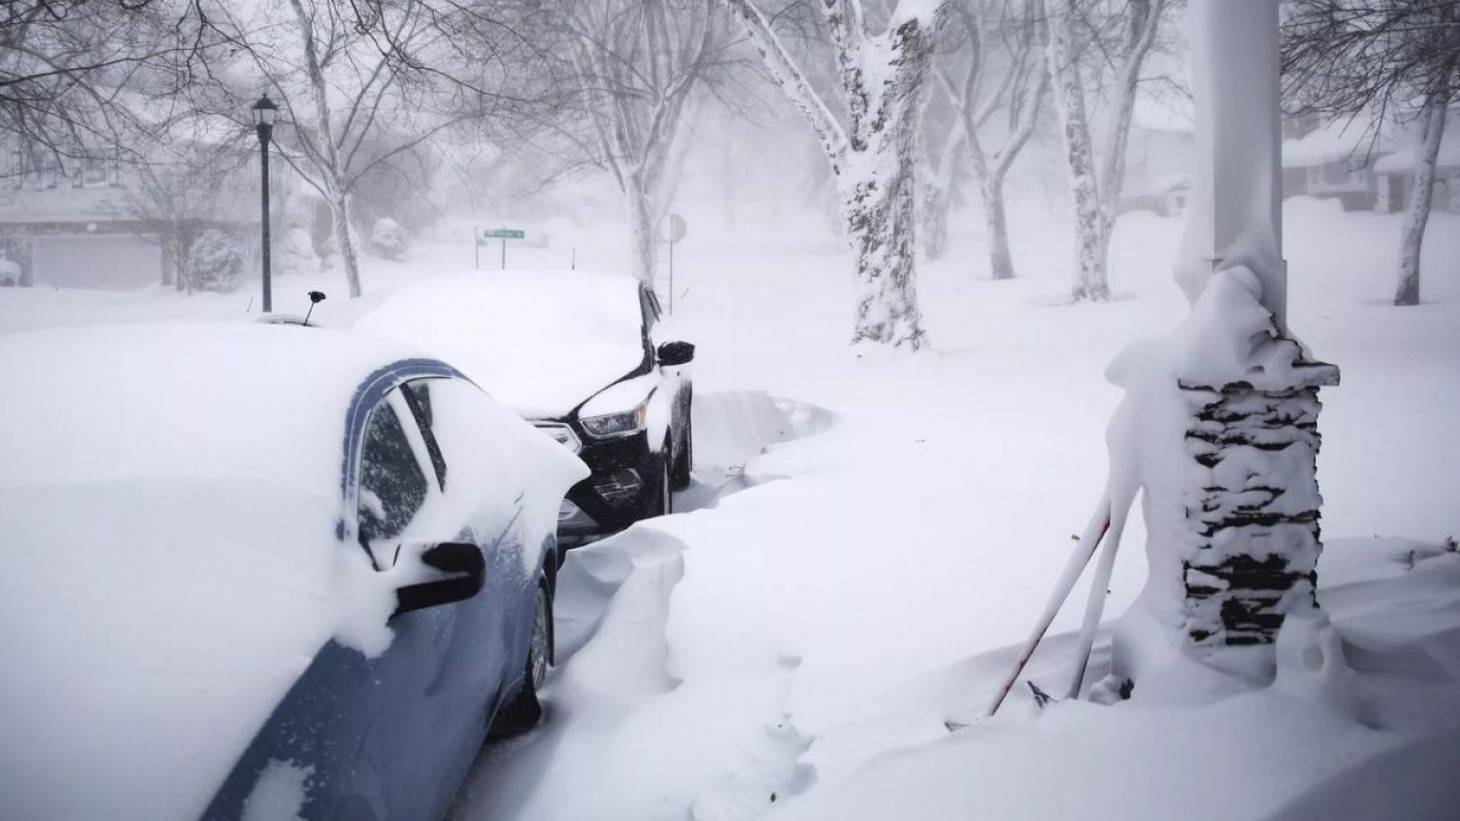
261 572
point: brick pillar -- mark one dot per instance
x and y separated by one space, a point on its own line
1252 507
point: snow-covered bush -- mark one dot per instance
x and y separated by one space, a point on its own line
388 238
296 253
215 262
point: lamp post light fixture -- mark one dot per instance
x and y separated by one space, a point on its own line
263 120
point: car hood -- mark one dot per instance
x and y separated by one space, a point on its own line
540 343
548 392
150 629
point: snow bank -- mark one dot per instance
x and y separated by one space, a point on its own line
1280 751
732 427
623 696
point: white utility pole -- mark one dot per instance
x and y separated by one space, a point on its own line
1236 202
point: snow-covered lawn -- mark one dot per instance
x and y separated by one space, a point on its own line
794 643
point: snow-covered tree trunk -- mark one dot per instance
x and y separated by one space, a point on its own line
937 199
1019 89
936 185
874 159
638 66
1091 282
329 169
880 212
1097 172
1427 152
1142 21
878 186
1001 262
643 228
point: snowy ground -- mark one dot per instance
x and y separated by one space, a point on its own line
794 642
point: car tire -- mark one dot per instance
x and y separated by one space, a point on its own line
525 710
684 460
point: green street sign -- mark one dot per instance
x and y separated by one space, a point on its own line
503 233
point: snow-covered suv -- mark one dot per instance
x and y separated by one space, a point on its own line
581 356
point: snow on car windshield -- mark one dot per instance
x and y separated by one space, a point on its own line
539 342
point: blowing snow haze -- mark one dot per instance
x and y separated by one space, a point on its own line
729 409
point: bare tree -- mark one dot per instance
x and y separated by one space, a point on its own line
359 86
635 70
878 87
1079 59
69 70
178 188
1380 59
1000 68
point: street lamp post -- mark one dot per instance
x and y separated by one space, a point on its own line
263 120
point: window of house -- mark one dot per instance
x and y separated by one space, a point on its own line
95 173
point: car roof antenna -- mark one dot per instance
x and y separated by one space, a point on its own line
315 297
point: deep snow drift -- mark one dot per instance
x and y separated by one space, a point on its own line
809 632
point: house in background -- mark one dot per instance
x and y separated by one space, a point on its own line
54 227
1394 172
1159 155
112 225
1343 162
1332 160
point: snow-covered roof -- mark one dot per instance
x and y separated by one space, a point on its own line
1402 159
540 342
1330 142
233 402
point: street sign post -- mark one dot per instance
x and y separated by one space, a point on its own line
504 234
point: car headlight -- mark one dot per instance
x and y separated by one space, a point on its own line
617 424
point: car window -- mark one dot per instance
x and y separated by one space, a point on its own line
392 486
417 394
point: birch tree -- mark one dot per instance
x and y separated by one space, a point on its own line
1381 59
1096 169
1001 70
872 146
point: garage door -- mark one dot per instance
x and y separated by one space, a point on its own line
111 263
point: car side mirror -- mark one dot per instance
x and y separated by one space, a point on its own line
462 567
672 354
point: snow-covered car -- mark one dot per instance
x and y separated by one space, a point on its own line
578 354
255 571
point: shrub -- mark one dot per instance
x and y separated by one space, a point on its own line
296 253
388 238
215 262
